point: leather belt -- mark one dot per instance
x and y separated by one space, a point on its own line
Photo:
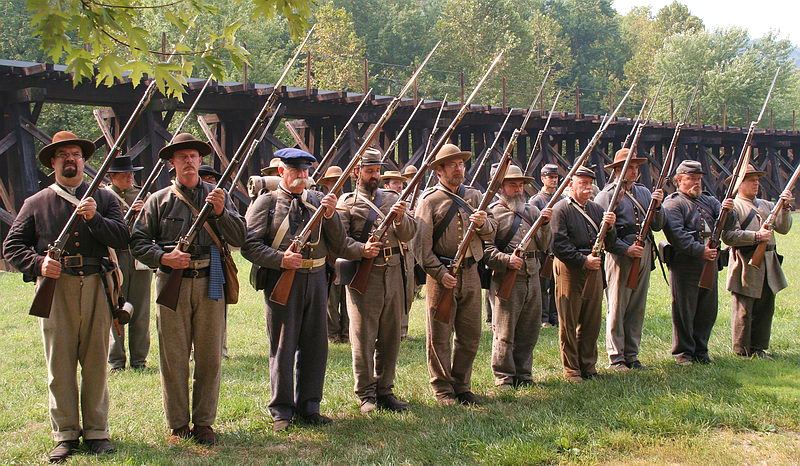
196 273
389 252
312 263
78 261
529 255
448 261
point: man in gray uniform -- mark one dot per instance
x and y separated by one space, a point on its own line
199 320
375 316
298 344
338 316
549 177
625 314
515 320
136 276
77 330
752 288
690 215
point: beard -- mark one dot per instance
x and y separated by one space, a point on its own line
304 183
369 184
515 202
694 191
69 170
454 180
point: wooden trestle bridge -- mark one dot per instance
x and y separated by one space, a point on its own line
314 117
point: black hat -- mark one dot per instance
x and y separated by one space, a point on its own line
206 170
65 138
690 167
295 158
585 171
185 141
549 169
123 164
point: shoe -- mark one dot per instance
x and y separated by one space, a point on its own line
522 383
761 354
315 419
619 367
574 378
505 388
281 425
392 403
180 434
334 340
594 376
637 365
368 405
139 367
116 370
468 398
99 447
683 361
546 325
204 435
703 359
63 450
446 399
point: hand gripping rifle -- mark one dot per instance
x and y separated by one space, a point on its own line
43 299
707 277
326 160
669 160
504 291
540 136
170 293
443 310
280 293
758 255
361 277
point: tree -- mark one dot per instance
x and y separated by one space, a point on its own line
103 42
337 52
675 18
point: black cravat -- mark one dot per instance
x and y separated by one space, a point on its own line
298 213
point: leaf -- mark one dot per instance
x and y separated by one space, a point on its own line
108 68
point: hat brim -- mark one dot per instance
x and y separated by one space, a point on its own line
125 170
326 179
463 155
202 147
393 177
269 171
46 153
518 178
636 160
759 174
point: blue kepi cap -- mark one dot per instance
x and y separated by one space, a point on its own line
295 158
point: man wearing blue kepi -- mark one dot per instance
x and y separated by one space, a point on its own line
298 346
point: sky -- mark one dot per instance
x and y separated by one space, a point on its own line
758 17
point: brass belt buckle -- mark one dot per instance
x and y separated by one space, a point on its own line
68 261
307 263
388 255
195 273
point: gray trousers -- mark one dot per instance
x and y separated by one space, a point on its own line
626 307
136 290
338 319
450 364
375 331
198 323
298 347
751 321
694 310
77 333
516 323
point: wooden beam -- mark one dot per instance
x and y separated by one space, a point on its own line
35 132
7 142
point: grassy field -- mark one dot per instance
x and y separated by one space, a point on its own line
731 412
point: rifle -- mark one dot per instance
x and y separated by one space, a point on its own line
540 136
280 293
130 215
507 284
171 292
635 125
443 310
361 277
707 277
427 153
394 142
323 164
758 255
669 160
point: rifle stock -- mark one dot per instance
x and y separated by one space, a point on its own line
507 284
443 311
546 271
633 273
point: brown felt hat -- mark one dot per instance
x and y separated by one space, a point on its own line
331 174
621 155
185 141
449 152
751 170
272 169
409 171
392 175
65 138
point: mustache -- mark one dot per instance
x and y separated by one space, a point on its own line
301 183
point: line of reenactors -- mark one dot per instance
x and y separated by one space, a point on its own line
425 235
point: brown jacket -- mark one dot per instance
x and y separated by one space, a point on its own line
504 216
433 206
745 279
353 211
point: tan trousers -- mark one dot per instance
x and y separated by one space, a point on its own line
516 323
198 322
77 332
450 367
375 331
625 314
751 321
579 319
136 290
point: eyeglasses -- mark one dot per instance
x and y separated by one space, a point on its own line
63 155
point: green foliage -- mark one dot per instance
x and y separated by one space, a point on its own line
103 42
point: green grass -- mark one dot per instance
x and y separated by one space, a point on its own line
731 412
